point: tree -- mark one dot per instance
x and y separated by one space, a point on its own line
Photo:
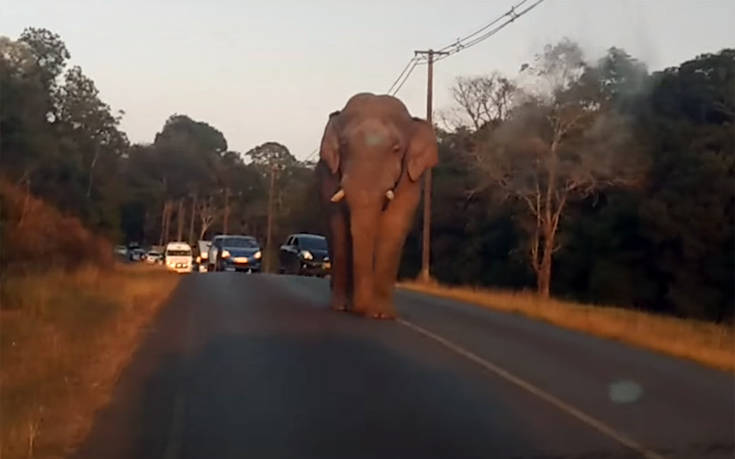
688 208
558 146
207 212
484 99
274 161
26 111
89 124
50 52
269 154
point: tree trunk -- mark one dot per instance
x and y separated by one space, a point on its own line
543 277
163 222
226 218
269 232
544 271
167 223
26 202
92 165
191 219
180 221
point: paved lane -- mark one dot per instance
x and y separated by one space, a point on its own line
256 366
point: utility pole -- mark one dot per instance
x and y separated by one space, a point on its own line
425 274
269 229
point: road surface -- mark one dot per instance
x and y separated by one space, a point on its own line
255 366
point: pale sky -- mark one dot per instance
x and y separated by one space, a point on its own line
273 70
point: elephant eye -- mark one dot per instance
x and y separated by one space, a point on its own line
397 148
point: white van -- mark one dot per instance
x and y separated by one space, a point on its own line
178 257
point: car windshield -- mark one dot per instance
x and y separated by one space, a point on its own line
240 242
313 243
178 253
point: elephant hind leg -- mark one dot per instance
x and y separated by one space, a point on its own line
339 251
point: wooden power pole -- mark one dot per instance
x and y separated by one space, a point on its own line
425 274
269 230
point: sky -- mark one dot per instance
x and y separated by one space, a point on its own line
272 71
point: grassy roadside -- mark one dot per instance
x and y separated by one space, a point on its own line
64 338
707 343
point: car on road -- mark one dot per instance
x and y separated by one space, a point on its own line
234 253
178 257
121 251
136 254
153 257
202 258
305 254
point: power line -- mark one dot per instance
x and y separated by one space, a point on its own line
403 72
478 36
472 39
485 27
416 61
311 155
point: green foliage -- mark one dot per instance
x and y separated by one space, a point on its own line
665 244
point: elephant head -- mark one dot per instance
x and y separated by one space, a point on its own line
372 157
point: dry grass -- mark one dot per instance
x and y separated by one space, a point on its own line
64 338
707 343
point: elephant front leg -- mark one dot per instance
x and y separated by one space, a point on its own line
394 227
339 253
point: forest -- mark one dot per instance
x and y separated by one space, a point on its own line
580 177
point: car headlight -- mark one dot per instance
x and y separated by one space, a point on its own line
225 254
306 255
257 255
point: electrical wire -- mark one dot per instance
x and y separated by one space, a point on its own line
416 61
483 28
473 38
403 72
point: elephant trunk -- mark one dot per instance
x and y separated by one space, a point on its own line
364 231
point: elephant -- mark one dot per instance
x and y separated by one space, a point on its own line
372 156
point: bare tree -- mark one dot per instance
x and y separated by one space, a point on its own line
483 99
561 145
208 212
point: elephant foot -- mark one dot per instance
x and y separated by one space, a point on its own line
381 315
378 314
340 305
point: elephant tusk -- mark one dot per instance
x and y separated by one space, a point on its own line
390 195
337 197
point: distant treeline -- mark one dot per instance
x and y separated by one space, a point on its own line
602 182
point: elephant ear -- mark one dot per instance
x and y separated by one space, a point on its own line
422 151
329 149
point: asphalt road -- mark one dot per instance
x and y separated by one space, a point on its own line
256 366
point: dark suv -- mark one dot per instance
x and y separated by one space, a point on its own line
305 254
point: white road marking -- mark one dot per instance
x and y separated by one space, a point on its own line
538 392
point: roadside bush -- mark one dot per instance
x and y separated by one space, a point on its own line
35 236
